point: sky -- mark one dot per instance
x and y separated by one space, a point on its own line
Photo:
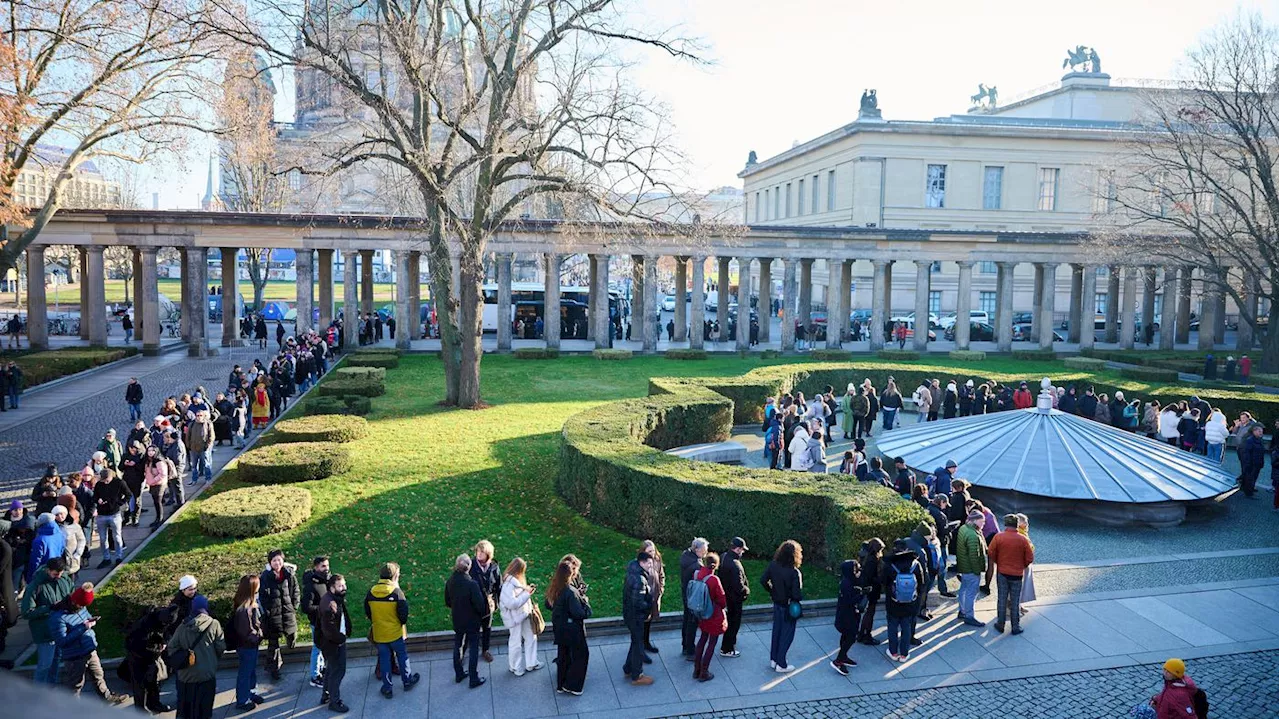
779 73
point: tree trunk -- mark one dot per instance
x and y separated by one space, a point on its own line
1270 358
470 328
441 291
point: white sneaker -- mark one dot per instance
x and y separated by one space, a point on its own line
518 672
782 669
773 664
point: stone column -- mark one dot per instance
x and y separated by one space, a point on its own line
697 309
366 281
742 338
681 319
1148 300
1088 309
83 257
1183 335
504 319
139 314
97 314
1220 314
324 266
722 295
1075 311
805 312
37 311
350 301
649 305
184 300
964 304
1037 299
1128 301
1049 273
765 302
304 289
149 302
551 302
198 300
1113 304
1004 304
599 311
230 317
789 305
593 298
403 300
1169 308
888 291
920 339
879 278
415 295
837 299
637 299
846 298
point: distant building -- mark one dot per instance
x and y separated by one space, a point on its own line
87 189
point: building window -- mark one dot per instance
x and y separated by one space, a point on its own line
987 303
757 207
1105 199
1048 189
986 268
831 190
787 201
992 185
935 189
768 215
1100 302
800 197
295 180
814 203
935 302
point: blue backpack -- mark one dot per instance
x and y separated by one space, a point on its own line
904 585
698 599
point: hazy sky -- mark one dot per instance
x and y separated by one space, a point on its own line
786 71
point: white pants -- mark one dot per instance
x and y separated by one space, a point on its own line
520 658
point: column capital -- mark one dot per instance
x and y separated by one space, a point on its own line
698 258
806 260
1007 264
147 251
881 264
93 249
966 264
765 260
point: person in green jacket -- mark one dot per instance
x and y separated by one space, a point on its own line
971 562
202 636
50 585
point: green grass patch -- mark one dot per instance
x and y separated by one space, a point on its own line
536 353
48 365
967 355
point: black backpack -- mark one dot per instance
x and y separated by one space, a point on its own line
1200 701
230 636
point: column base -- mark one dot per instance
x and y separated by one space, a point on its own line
233 343
150 350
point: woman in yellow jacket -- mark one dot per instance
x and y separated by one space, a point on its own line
388 612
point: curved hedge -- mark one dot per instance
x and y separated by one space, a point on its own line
685 354
293 462
611 354
322 428
142 585
346 404
349 385
384 360
255 511
967 355
375 374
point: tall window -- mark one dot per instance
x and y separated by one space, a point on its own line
777 202
295 180
1100 301
767 214
987 303
787 201
800 197
987 268
1104 199
1048 189
935 302
831 190
992 185
935 188
757 207
814 203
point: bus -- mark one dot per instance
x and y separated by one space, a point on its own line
527 300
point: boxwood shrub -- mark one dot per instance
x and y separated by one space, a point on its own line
1149 374
140 586
377 374
1035 355
829 355
338 427
536 353
685 354
346 404
770 354
1265 380
967 355
293 462
898 354
611 354
373 359
343 386
1085 363
255 511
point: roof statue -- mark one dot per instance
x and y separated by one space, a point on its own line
751 158
984 93
869 106
1083 59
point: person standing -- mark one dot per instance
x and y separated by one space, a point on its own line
853 408
923 399
567 599
713 626
637 600
785 584
1252 455
110 496
467 604
869 556
484 569
904 581
315 584
890 404
133 398
873 410
733 578
971 562
387 609
200 438
279 598
144 646
658 582
201 637
50 586
246 635
67 517
690 559
517 607
1011 553
849 608
14 383
71 627
334 628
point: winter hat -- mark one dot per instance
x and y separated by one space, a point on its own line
58 513
83 596
951 463
850 388
976 516
186 582
1176 667
68 501
199 605
968 383
15 505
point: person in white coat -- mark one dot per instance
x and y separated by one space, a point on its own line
516 604
801 459
1169 424
1215 435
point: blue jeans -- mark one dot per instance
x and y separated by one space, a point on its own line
1200 443
1214 452
784 632
922 415
128 335
317 661
247 675
135 411
1008 600
968 593
202 462
890 417
384 659
900 631
47 663
14 393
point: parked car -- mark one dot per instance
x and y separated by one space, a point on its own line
978 332
949 321
669 303
1022 317
1022 333
910 319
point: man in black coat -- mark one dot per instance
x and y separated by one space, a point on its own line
278 595
1252 455
467 605
315 583
1088 404
331 634
144 643
690 560
637 601
736 590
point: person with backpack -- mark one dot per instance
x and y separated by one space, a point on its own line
1180 698
144 645
923 542
785 584
690 560
637 600
869 561
850 604
904 582
708 597
736 590
1011 553
193 652
245 637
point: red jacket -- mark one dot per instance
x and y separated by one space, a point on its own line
1022 399
1175 701
716 624
1011 552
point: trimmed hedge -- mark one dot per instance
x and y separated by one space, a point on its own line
378 351
1085 363
613 471
48 365
685 354
254 511
536 353
967 355
1035 355
611 354
140 586
1149 374
828 355
770 354
374 359
898 354
376 374
1265 380
343 386
293 462
346 404
322 428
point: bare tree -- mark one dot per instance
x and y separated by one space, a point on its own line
104 78
118 263
493 110
1198 184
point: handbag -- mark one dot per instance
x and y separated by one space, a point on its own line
536 622
794 610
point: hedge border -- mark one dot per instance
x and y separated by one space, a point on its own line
967 355
339 386
322 428
342 404
373 359
1035 355
1089 364
293 462
898 354
831 355
685 354
611 354
535 353
255 511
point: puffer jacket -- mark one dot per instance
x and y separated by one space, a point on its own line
37 603
637 595
279 599
1215 431
156 474
515 603
71 635
76 543
387 610
49 543
971 551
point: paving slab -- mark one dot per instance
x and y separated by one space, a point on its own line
1228 612
1099 637
1175 621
